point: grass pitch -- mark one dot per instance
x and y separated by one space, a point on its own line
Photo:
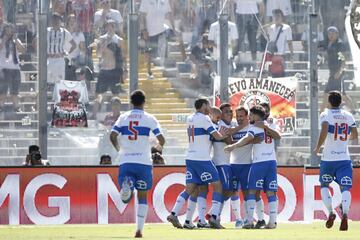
291 231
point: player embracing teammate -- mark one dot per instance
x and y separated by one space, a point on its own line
263 170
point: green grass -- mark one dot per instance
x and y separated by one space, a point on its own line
315 231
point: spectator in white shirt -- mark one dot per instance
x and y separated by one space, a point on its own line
58 39
281 33
214 37
155 13
283 5
246 13
104 14
76 58
10 78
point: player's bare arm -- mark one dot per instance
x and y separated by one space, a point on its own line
114 141
322 137
242 142
269 131
354 136
161 142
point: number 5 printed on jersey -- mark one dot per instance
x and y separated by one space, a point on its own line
134 132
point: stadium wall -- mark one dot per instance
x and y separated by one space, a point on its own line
58 195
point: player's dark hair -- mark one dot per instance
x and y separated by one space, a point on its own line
335 98
199 102
242 108
258 110
137 98
33 148
265 105
224 105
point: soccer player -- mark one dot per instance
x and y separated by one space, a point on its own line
221 160
240 162
337 128
200 171
263 171
135 171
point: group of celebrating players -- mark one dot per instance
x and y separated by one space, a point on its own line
230 156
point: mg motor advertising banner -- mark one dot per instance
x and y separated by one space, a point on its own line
58 195
278 92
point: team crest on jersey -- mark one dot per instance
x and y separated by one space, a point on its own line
140 184
327 178
206 176
188 175
253 98
259 183
273 185
346 181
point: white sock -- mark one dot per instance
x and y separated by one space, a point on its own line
246 214
221 208
141 216
180 202
202 208
273 209
250 208
235 206
346 201
260 209
326 198
216 204
190 209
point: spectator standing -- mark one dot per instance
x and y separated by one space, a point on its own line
84 13
111 65
246 13
153 28
205 13
280 36
214 38
336 60
57 40
103 15
76 58
283 5
10 78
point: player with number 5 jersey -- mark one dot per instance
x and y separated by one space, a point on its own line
134 128
337 128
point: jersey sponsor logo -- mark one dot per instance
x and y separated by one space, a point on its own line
327 178
346 181
206 176
260 183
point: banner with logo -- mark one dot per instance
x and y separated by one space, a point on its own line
278 92
73 195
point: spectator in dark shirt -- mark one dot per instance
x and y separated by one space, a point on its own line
336 64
